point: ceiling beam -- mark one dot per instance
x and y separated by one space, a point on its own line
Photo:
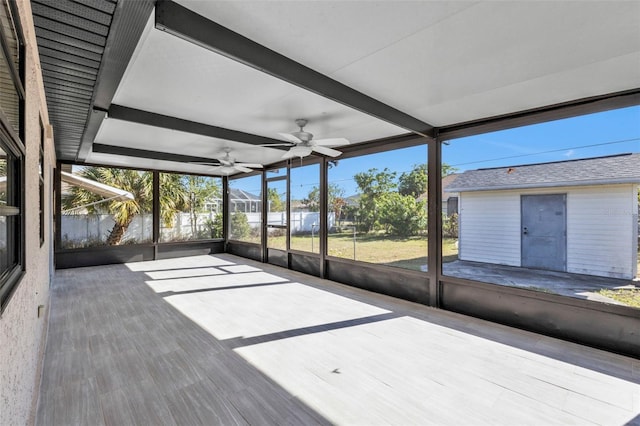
153 155
119 112
128 24
188 25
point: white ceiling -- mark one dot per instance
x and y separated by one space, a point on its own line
442 62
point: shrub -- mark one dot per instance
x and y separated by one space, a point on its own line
240 227
402 215
450 226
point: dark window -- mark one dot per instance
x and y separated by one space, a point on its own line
11 157
452 206
41 183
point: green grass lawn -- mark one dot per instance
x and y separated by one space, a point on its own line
402 252
628 296
409 252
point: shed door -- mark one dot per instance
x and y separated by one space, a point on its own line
544 231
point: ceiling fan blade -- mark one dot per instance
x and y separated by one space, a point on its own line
242 169
327 151
252 165
331 142
267 145
207 163
290 137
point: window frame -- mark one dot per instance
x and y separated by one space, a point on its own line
12 141
229 214
221 208
41 184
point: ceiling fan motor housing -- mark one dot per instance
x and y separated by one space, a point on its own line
301 134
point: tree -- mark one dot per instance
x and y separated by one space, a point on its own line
276 204
447 169
313 200
335 201
173 197
123 211
402 215
414 183
215 226
337 206
373 185
199 190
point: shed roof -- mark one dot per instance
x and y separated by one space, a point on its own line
622 168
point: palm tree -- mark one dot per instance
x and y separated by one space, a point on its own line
138 183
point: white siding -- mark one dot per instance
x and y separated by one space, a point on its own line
601 228
490 227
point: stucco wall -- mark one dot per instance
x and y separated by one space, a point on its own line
600 228
22 332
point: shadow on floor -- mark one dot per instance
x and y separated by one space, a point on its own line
127 348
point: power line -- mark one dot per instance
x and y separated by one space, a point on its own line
547 152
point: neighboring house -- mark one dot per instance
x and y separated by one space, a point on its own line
449 199
578 216
243 201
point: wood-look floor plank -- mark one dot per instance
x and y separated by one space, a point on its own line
201 403
223 340
121 370
138 404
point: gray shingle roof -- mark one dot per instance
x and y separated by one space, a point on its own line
236 194
622 168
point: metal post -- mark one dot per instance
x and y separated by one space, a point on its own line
434 199
313 225
354 242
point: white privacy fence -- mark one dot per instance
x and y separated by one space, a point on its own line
80 230
182 229
301 222
93 229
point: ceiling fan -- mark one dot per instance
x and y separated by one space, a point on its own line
229 165
302 143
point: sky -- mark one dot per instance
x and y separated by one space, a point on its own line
593 135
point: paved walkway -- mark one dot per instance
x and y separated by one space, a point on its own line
223 340
562 283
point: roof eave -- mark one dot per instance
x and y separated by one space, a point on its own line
592 182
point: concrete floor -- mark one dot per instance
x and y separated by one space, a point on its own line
223 340
563 283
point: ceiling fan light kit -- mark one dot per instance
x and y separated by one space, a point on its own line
298 151
227 165
304 144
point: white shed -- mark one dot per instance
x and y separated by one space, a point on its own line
578 216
